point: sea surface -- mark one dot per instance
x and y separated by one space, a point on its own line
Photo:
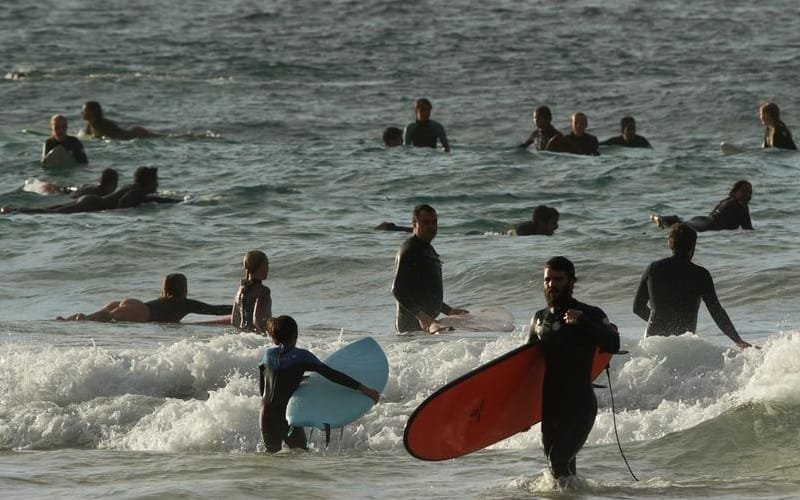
272 114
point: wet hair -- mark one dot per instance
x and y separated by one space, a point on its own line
95 107
109 176
423 207
626 120
392 135
282 330
560 263
174 285
56 117
543 213
544 112
682 239
253 260
738 185
771 109
423 102
144 176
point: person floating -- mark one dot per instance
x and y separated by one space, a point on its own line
543 131
252 305
731 213
171 307
544 220
98 126
392 136
776 134
281 370
570 332
670 291
628 138
417 286
59 139
578 141
424 132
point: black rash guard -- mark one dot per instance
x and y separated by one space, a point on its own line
71 144
779 138
569 405
584 145
417 284
425 134
173 309
282 370
730 214
673 288
541 137
637 142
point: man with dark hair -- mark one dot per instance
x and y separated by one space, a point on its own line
424 132
570 333
628 138
417 286
392 136
544 220
97 125
544 130
673 288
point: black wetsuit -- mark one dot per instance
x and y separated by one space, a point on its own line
245 304
584 145
282 371
124 197
673 288
781 138
417 284
541 137
425 134
527 228
728 214
637 142
569 405
173 309
71 144
93 189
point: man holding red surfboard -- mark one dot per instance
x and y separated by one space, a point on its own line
570 332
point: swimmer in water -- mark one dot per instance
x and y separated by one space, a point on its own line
578 141
776 134
731 213
544 220
628 138
98 126
392 136
59 137
424 132
544 131
171 307
252 305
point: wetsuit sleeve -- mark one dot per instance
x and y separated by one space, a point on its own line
716 310
197 307
530 140
746 222
443 137
594 322
533 336
640 307
76 146
313 364
403 286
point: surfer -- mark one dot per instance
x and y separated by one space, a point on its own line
578 141
252 305
424 132
107 184
98 126
171 307
628 138
673 288
569 331
59 137
392 136
776 134
543 131
544 220
145 183
731 213
280 372
417 286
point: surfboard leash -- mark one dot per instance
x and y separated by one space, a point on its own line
614 419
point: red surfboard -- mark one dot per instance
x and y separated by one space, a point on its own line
488 404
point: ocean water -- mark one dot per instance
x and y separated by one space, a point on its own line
272 113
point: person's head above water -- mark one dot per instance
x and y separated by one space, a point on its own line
545 220
770 114
91 111
422 109
392 136
58 127
559 280
282 330
542 117
146 178
424 222
682 239
109 178
742 190
174 285
256 264
579 124
628 127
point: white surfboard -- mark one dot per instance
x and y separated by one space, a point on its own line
479 319
59 157
38 186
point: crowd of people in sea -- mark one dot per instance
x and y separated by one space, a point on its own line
668 296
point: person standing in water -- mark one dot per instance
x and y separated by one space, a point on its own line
59 137
543 131
424 132
670 291
417 287
776 134
578 141
252 305
569 332
628 138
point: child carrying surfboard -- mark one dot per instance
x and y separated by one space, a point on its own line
281 371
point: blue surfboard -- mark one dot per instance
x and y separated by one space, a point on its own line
320 403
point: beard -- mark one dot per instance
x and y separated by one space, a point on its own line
558 298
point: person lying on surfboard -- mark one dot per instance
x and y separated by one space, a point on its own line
544 131
731 213
570 332
98 126
59 137
252 304
171 307
281 370
776 134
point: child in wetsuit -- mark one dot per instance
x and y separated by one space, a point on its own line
281 371
252 305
